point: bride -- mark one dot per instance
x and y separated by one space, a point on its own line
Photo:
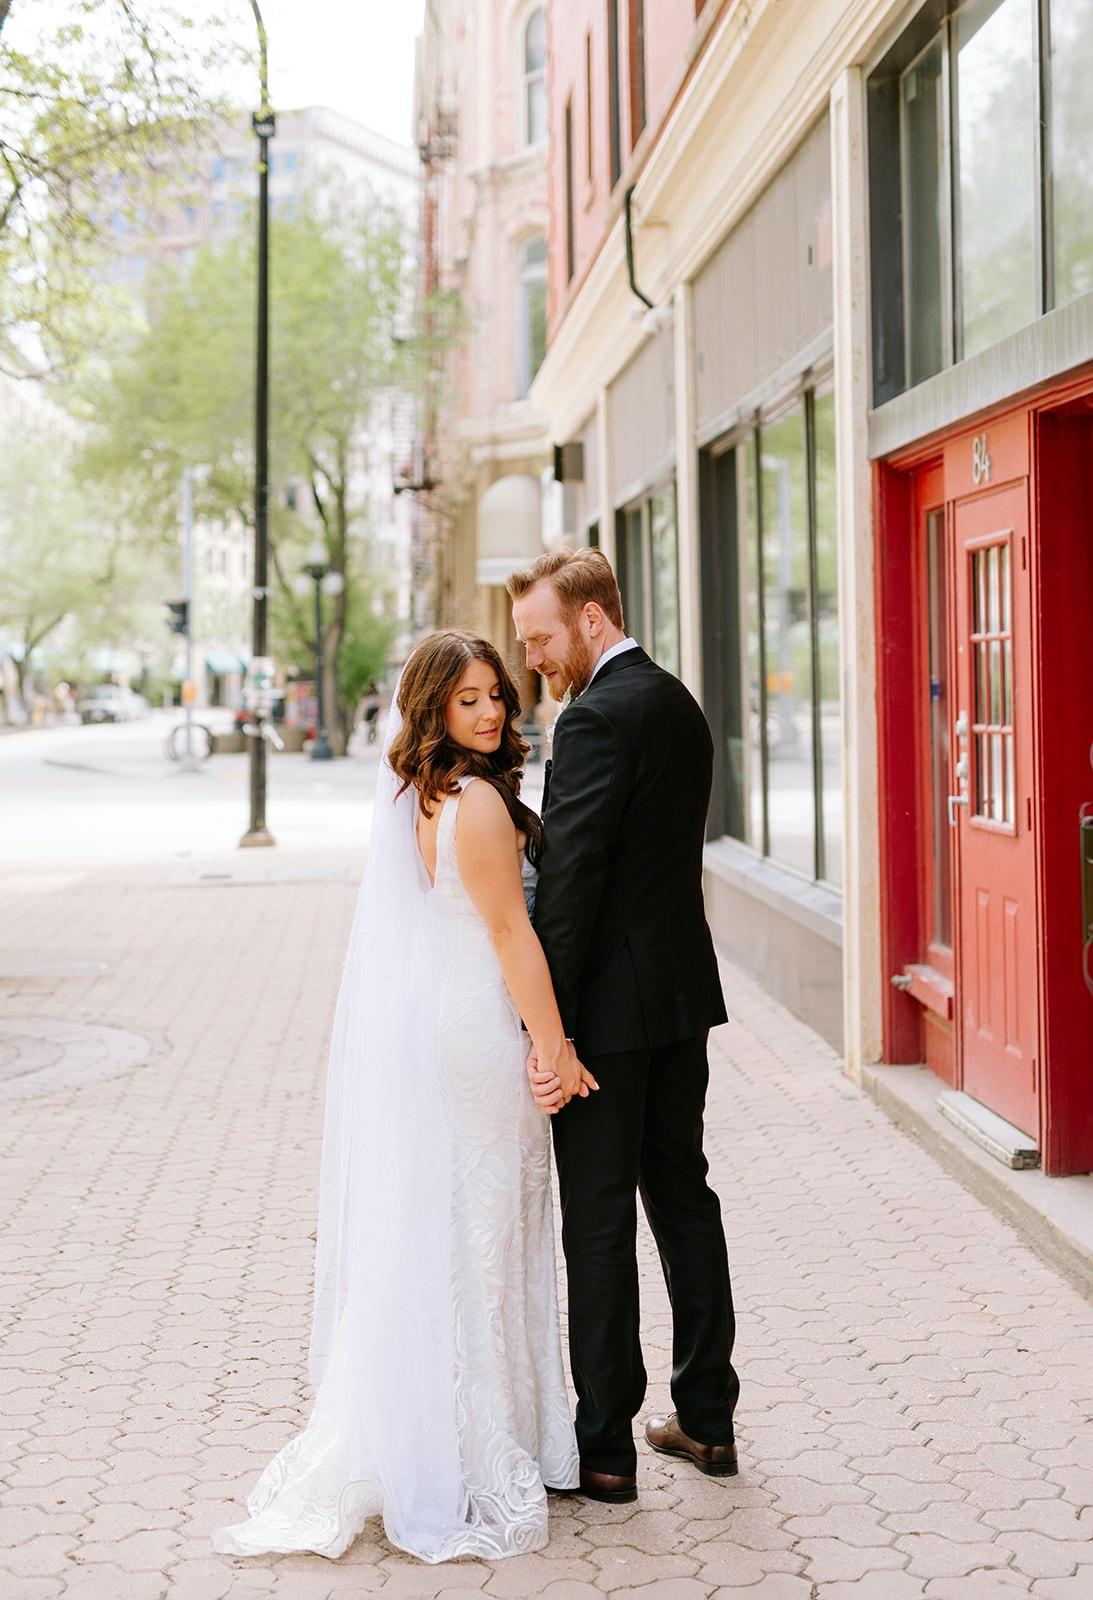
435 1347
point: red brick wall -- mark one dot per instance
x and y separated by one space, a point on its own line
573 26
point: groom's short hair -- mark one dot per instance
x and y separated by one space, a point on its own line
576 576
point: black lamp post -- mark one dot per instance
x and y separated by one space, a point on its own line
317 568
264 125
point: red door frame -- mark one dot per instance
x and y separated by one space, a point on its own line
1047 439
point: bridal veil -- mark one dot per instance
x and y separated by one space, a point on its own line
382 1436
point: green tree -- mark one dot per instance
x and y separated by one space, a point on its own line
92 95
63 564
183 392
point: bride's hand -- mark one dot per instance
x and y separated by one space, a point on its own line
553 1089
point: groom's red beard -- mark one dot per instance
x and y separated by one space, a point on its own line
576 668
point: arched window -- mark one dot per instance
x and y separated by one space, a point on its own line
535 103
531 341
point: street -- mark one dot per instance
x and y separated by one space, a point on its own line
917 1385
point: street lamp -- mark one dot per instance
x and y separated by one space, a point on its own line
264 125
317 568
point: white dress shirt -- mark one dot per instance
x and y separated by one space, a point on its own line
615 650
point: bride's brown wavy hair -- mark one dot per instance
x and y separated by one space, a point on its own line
423 756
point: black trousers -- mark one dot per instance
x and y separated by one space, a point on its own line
643 1133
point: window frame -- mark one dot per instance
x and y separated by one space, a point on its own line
747 437
532 79
527 273
641 507
614 93
903 49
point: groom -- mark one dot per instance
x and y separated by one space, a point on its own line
620 915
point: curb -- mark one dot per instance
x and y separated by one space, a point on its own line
1052 1215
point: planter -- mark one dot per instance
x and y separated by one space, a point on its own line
228 744
294 740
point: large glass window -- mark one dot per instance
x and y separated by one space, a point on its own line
535 99
829 721
986 220
922 118
649 574
787 642
780 686
996 170
1072 147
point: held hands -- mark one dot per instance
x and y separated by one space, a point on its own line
553 1087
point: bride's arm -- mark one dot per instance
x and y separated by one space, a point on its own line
485 845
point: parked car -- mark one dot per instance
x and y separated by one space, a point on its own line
111 702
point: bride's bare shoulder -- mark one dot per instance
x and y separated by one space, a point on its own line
483 816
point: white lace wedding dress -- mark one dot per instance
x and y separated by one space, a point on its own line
502 1368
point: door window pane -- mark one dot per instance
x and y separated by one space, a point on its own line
940 722
788 646
922 115
1072 146
664 569
992 673
826 623
996 112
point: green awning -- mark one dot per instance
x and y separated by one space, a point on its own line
222 662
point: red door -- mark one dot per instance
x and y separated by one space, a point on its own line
993 744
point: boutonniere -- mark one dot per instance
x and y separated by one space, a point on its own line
567 699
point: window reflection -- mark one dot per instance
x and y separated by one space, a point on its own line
922 114
1072 146
748 558
664 564
788 651
649 563
996 169
826 623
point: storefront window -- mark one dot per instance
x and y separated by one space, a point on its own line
922 107
779 694
984 218
787 641
996 170
649 574
1072 146
829 738
665 576
749 661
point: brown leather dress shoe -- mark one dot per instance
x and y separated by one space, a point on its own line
666 1435
606 1486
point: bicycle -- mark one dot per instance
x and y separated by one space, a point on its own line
201 742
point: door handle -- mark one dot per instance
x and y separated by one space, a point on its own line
954 801
1085 839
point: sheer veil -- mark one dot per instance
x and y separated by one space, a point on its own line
382 1435
383 1264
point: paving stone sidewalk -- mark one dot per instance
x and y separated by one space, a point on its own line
917 1386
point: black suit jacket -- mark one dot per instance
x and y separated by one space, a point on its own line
619 907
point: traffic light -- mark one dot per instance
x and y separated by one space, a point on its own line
178 619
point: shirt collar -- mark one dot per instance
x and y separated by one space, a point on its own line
615 650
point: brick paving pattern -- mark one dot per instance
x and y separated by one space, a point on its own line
917 1386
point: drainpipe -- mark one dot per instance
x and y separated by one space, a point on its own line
628 204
